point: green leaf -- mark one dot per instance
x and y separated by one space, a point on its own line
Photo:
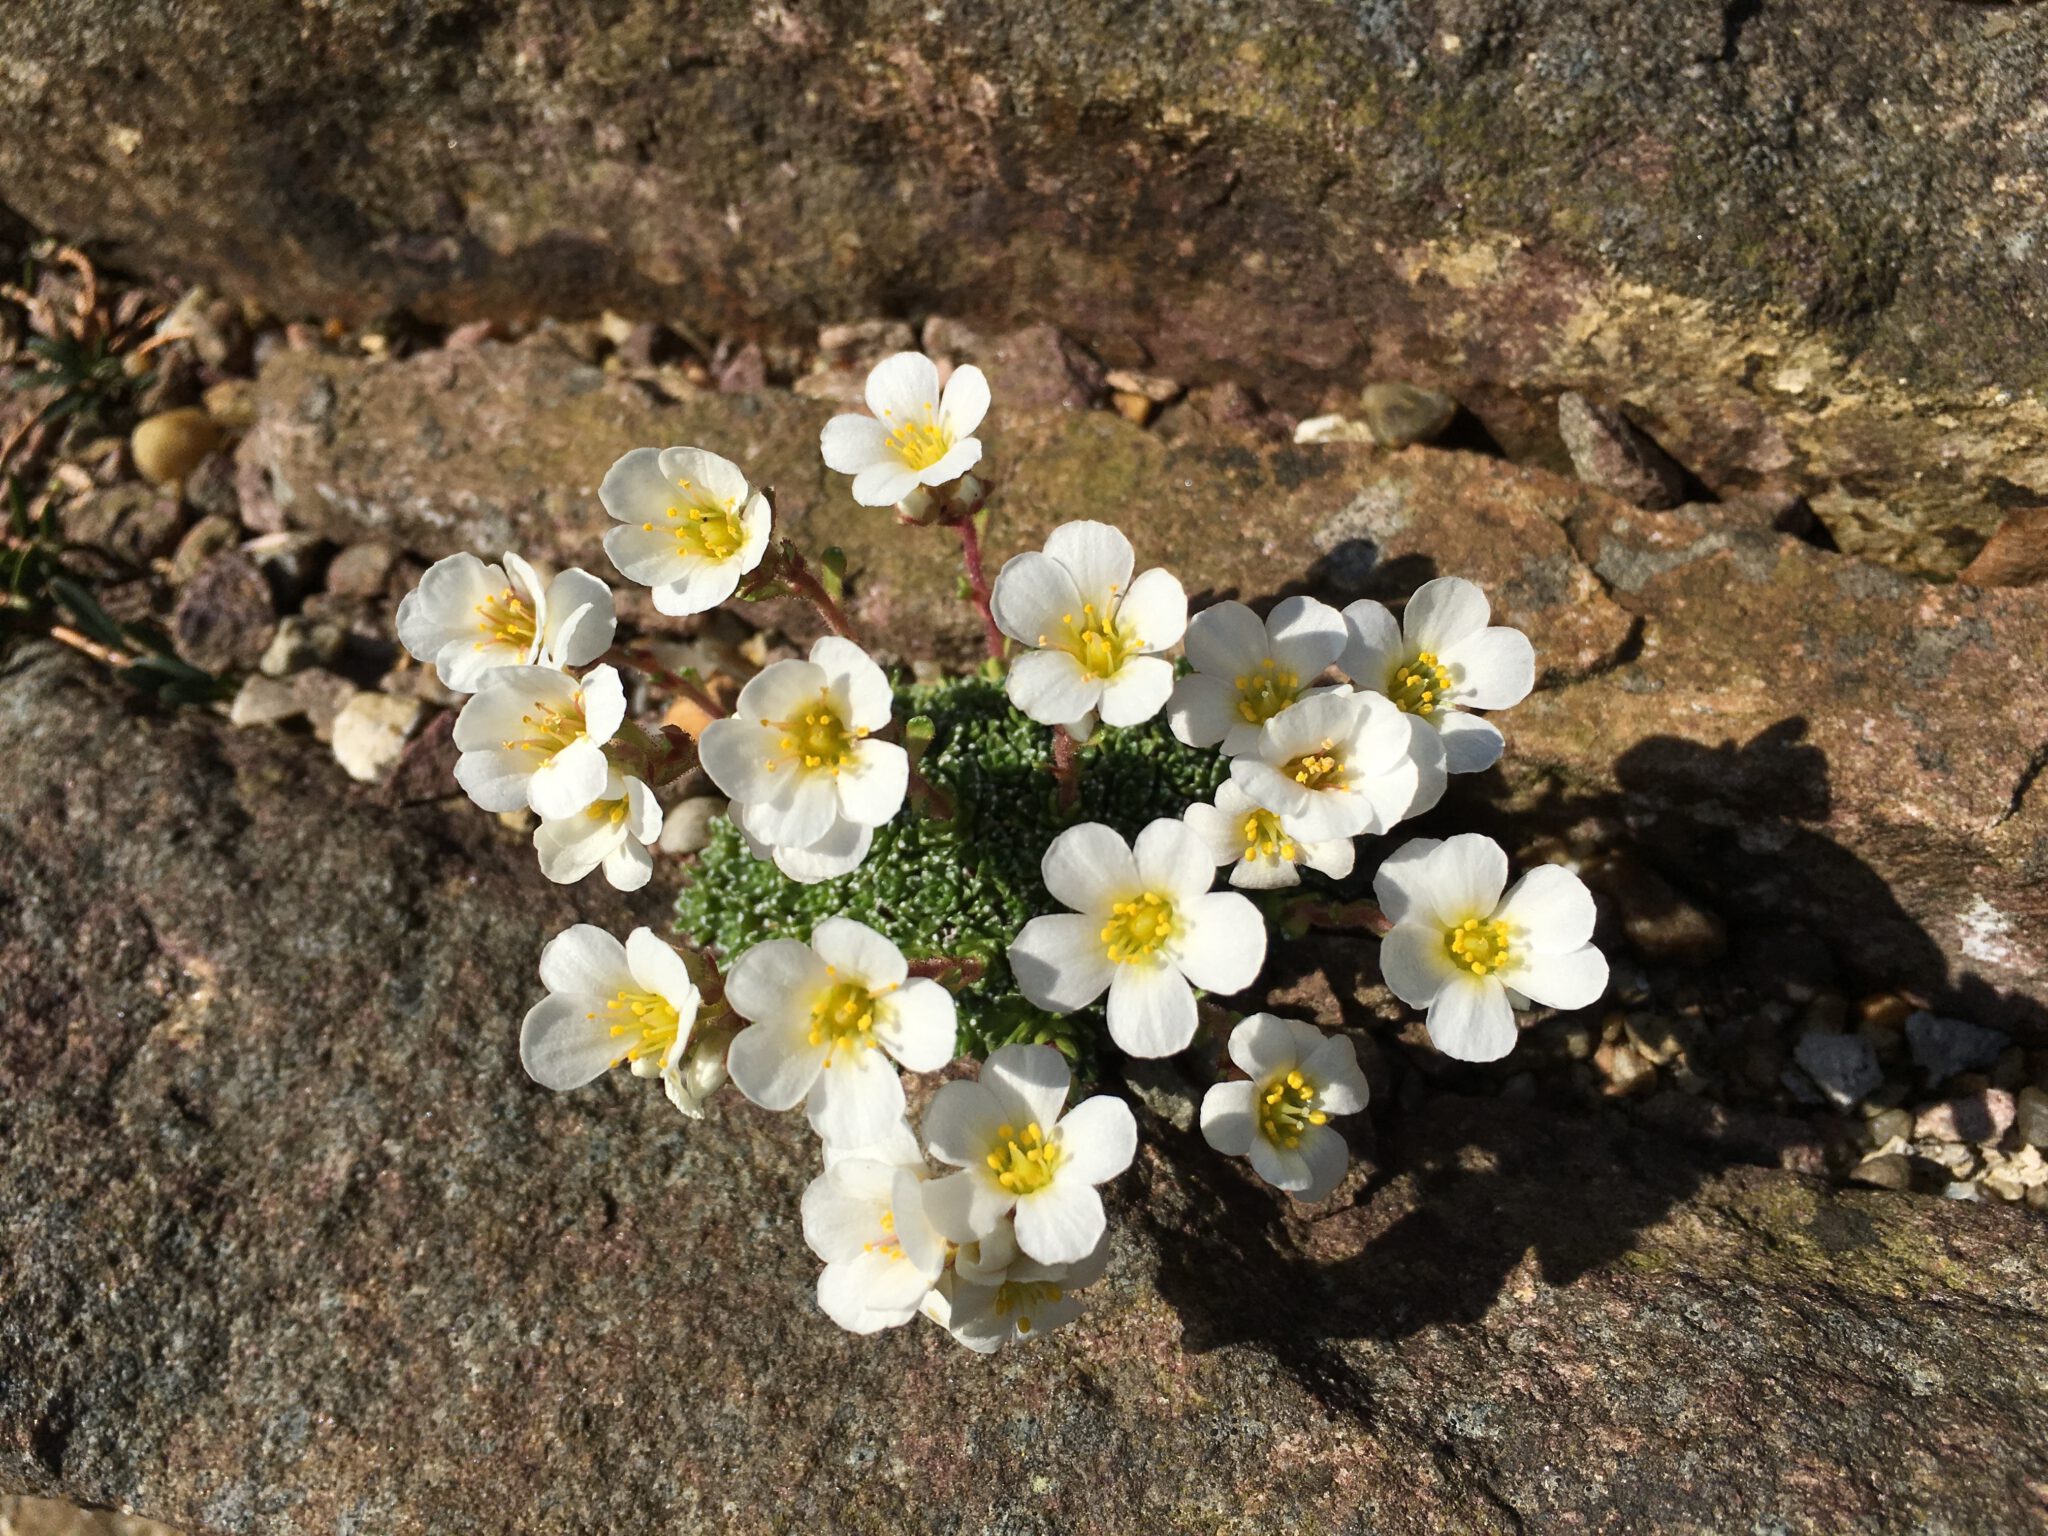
91 617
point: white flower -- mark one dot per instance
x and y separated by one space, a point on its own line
1297 1078
617 830
917 436
1145 925
1342 765
689 526
865 1217
535 737
838 852
699 1073
608 1003
1093 632
1261 846
1248 670
466 618
1440 660
1016 1153
796 760
826 1017
994 1294
1470 955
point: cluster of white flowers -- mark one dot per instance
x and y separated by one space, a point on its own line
1336 726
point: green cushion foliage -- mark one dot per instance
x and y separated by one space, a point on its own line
962 887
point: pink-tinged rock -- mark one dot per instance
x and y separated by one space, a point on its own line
1981 1117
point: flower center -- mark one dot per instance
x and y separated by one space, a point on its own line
1263 693
549 729
888 1243
1480 945
818 737
613 811
1287 1107
504 619
645 1024
1023 1162
1320 769
1018 1295
1419 686
1138 927
1264 838
709 530
919 444
843 1015
1098 641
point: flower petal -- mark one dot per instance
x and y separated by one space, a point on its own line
1223 944
853 676
698 587
953 463
1471 745
1151 1010
1263 1044
1415 963
884 484
568 781
634 489
960 1123
904 387
852 443
858 953
1155 610
564 1044
1033 596
584 958
1172 860
580 620
1443 612
1228 1122
1341 1088
1226 640
1203 710
1470 1020
1030 1081
1053 688
1060 961
1090 868
1305 636
1443 884
1374 647
1061 1222
918 1025
1138 690
1323 1150
1552 908
700 470
1099 1137
1493 669
965 401
838 852
1279 1166
775 982
1573 979
774 1064
857 1095
1097 556
872 785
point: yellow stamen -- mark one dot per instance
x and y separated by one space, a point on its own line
1138 927
1265 839
1288 1103
1480 945
843 1015
1265 691
1420 686
1023 1162
644 1024
504 619
817 736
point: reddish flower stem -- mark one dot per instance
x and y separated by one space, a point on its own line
969 968
675 682
798 575
1066 767
978 587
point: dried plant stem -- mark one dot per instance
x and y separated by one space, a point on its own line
1066 766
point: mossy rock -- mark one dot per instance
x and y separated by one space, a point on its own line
965 886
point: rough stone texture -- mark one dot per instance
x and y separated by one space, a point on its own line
294 1248
1802 739
1799 245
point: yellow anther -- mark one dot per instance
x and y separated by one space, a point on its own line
1023 1163
1264 693
844 1014
1321 769
817 737
1419 686
1288 1103
709 530
1138 927
505 619
643 1023
1480 945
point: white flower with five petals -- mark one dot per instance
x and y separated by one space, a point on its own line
1017 1152
467 618
827 1018
689 526
917 436
995 1294
535 737
1145 928
1295 1079
1470 955
1341 765
1264 853
865 1217
608 1003
796 759
1092 634
615 832
1439 661
1246 670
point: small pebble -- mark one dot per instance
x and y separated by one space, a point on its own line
360 570
1332 429
687 827
1942 1048
1843 1067
202 541
2031 1117
1133 407
1611 452
1888 1125
300 643
265 701
1887 1170
1982 1117
321 694
225 615
370 732
1399 415
168 446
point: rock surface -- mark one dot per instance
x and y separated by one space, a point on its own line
1800 737
295 1248
1799 246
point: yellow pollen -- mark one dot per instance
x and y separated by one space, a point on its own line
644 1024
1097 640
1263 838
504 619
1288 1104
817 737
919 444
1023 1162
1480 945
613 811
1136 928
889 1243
1419 686
1265 691
843 1016
1321 769
550 730
1014 1295
704 528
